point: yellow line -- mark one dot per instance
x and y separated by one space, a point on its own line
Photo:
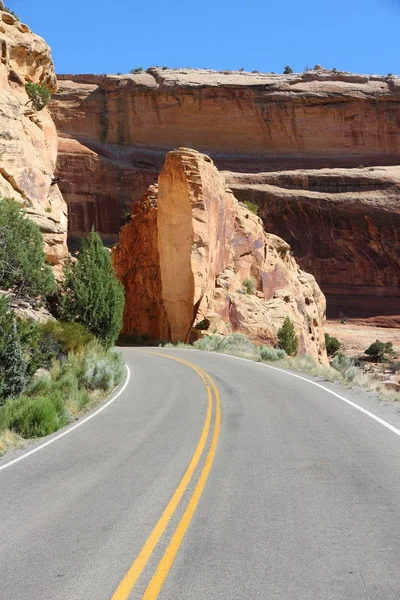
165 564
140 562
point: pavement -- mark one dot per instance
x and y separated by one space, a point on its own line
208 478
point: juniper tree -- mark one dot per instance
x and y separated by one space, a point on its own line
12 361
23 269
91 293
287 338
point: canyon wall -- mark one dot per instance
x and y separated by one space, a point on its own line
28 138
188 248
270 133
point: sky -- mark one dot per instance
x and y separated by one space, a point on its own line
94 36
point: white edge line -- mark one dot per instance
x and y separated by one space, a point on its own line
67 431
353 404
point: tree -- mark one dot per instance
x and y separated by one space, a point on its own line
91 294
288 70
12 362
22 261
39 95
287 338
380 351
332 345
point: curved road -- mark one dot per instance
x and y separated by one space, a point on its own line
219 479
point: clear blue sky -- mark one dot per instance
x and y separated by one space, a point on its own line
93 36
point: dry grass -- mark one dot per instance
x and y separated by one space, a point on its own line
10 441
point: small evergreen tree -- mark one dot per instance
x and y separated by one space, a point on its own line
332 344
12 362
380 351
288 70
39 95
22 260
287 338
91 294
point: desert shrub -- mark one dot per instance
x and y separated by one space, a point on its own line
380 351
71 337
288 70
91 294
341 363
249 285
287 338
251 206
39 95
137 70
39 386
234 343
99 375
272 354
332 345
39 346
34 416
12 361
22 261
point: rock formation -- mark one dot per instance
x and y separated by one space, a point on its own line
186 252
343 226
28 140
115 130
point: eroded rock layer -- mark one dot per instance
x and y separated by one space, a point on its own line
28 139
342 225
186 252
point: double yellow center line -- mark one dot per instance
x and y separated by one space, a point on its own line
154 587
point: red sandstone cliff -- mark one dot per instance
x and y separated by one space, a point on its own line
28 140
188 248
114 133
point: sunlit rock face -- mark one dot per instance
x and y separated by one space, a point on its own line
28 139
186 252
272 134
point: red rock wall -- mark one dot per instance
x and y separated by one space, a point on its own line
114 133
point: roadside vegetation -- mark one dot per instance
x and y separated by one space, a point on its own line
54 371
342 369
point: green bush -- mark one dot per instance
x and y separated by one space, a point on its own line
288 70
39 346
137 70
72 337
271 354
34 416
22 260
249 285
250 206
287 338
39 95
332 345
341 363
12 361
380 351
91 294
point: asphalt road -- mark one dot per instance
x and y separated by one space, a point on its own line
288 493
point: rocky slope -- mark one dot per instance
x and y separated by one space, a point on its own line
186 252
28 139
342 224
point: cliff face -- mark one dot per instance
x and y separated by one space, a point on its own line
28 139
343 226
114 133
186 252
